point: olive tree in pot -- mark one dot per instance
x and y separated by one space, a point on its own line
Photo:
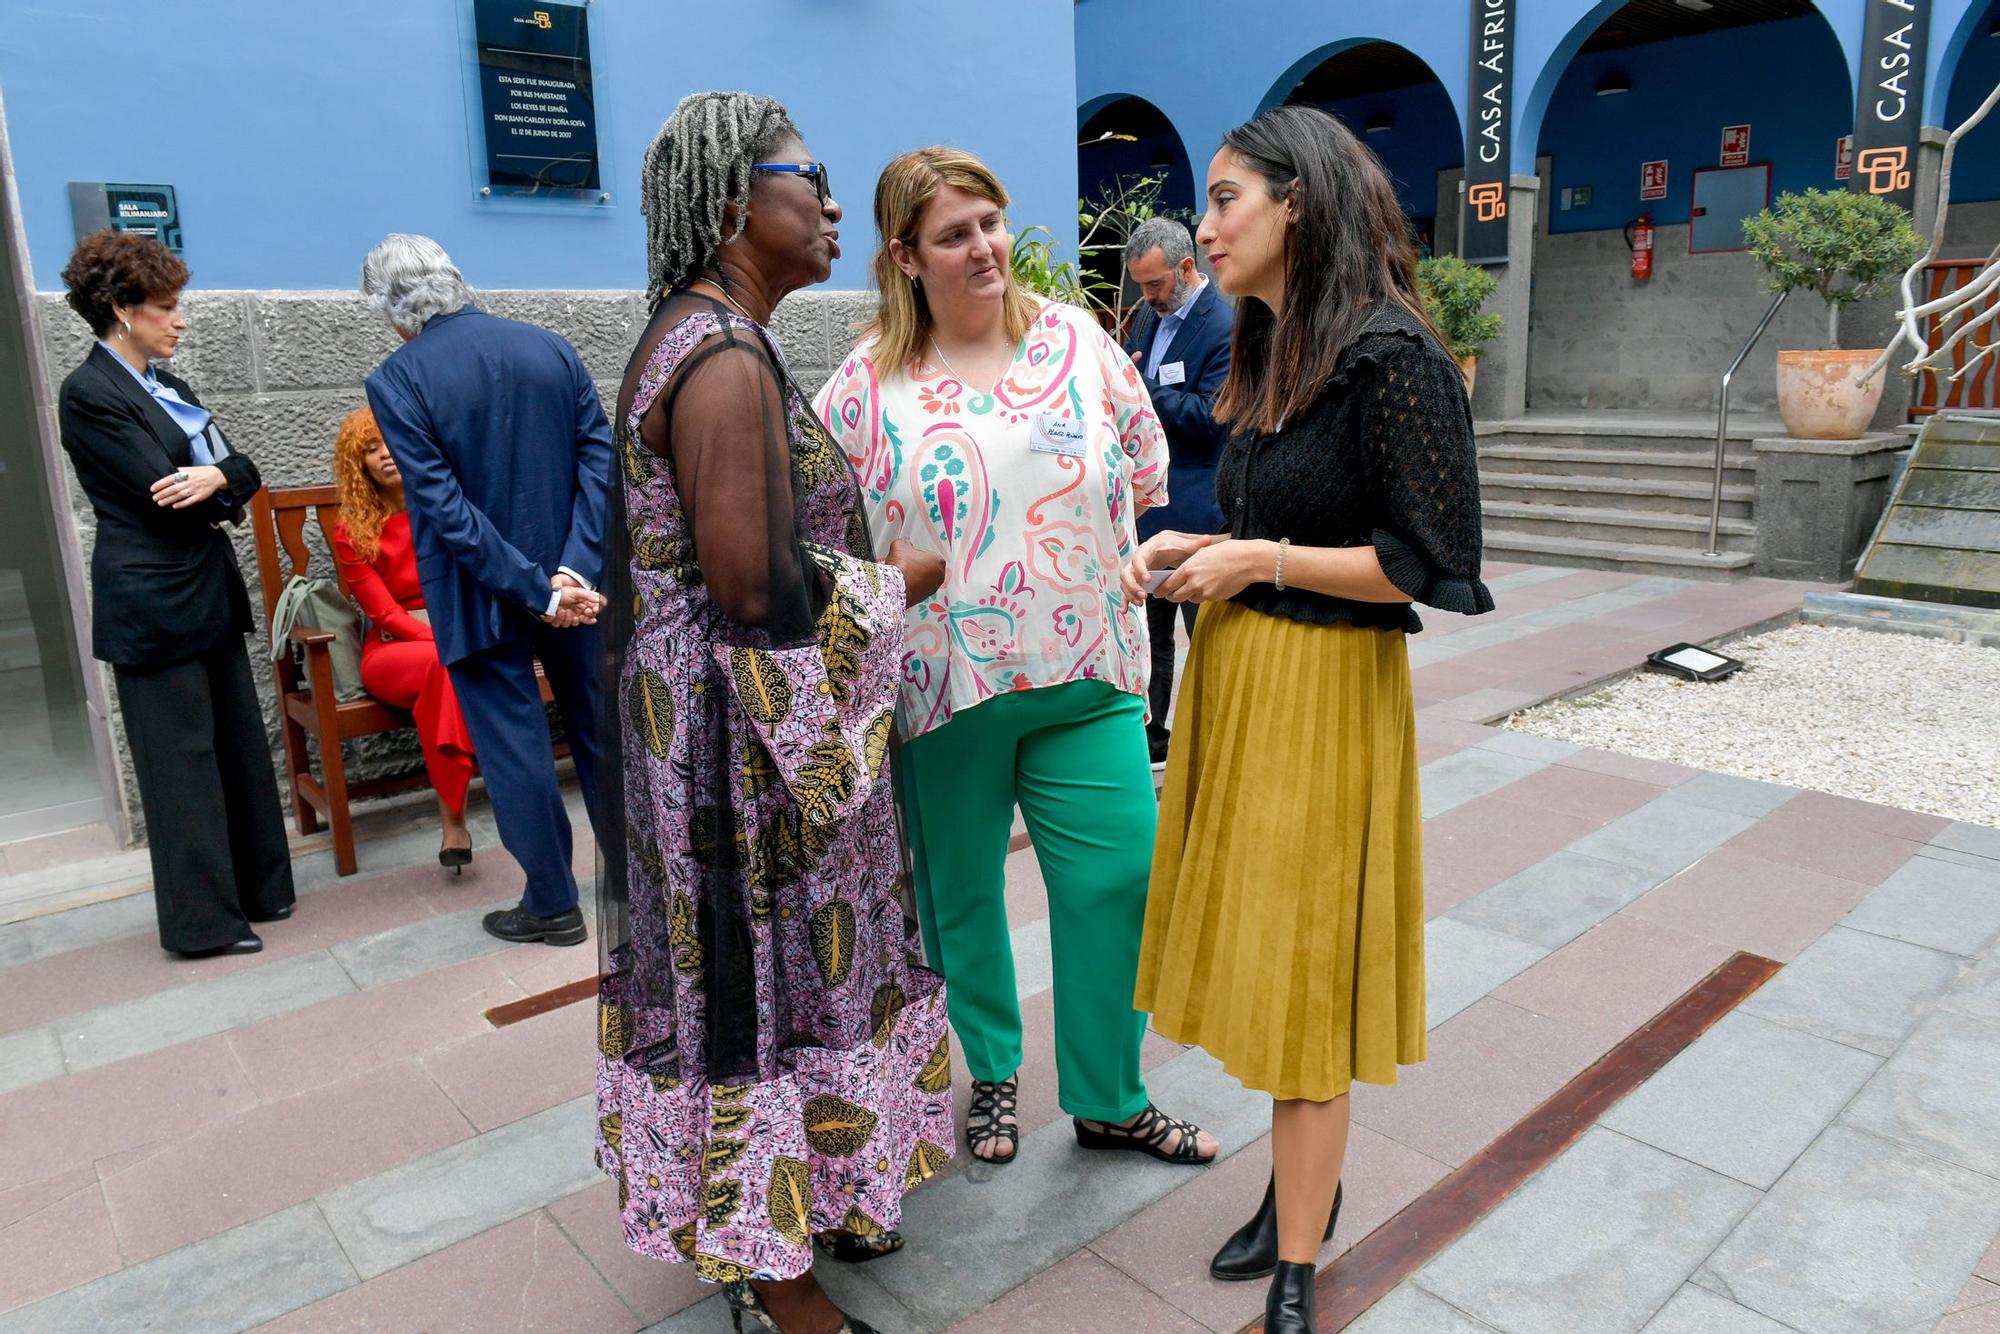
1453 293
1845 247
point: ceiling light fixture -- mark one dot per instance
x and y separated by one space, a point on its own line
1379 122
1613 83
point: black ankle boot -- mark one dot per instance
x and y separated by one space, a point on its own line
1252 1251
1289 1308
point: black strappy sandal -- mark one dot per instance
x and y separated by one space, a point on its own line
983 1125
856 1248
1147 1133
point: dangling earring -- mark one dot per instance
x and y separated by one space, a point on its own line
124 329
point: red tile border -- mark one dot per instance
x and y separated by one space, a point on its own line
569 993
1397 1249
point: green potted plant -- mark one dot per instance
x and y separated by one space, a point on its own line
1454 293
1844 247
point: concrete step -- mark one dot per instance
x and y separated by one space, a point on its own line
1614 429
1630 557
1685 443
1634 493
1739 468
1605 524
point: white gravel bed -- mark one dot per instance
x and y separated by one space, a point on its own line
1877 716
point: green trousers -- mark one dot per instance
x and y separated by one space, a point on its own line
1074 757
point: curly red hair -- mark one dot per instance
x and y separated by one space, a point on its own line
363 508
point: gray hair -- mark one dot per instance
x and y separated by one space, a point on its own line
409 278
697 164
1166 235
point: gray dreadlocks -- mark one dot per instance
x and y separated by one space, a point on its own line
697 163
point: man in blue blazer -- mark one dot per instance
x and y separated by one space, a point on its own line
1181 346
505 456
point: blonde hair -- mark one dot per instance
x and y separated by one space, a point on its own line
902 323
363 511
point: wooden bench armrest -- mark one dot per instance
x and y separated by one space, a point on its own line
305 634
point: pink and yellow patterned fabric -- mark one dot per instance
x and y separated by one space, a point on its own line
1032 537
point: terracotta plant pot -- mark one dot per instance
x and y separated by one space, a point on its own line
1469 367
1817 396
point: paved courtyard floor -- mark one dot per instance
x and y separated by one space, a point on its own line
331 1135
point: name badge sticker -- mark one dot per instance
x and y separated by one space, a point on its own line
1173 372
1054 434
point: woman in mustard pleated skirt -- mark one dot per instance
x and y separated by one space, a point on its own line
1285 919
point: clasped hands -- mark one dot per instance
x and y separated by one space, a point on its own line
1207 567
188 486
579 605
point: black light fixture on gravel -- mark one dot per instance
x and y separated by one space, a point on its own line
1691 662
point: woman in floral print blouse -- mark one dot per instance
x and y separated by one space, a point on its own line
1012 435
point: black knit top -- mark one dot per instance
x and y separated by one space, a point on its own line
1384 457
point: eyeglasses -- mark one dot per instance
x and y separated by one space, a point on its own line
815 170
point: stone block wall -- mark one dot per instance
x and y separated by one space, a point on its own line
280 370
1597 339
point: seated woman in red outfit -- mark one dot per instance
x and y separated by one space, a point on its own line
399 657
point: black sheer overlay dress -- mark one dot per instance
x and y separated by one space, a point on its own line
773 1055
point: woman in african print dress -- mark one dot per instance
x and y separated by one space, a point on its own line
774 1061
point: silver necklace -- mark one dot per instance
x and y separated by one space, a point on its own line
954 370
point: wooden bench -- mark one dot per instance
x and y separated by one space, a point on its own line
307 705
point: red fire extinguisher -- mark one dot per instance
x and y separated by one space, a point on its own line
1639 236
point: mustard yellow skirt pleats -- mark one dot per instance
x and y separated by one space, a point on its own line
1285 920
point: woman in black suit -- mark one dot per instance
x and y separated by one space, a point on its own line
168 606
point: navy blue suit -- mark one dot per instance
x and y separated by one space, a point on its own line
1186 411
505 455
1194 442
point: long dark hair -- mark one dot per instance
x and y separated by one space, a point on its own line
1348 250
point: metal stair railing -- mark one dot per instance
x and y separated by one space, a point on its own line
1722 425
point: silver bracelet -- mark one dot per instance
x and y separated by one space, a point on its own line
1278 581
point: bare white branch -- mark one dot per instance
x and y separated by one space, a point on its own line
1909 328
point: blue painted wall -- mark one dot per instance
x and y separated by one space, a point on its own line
296 135
1975 167
1243 50
1423 141
1211 67
1683 93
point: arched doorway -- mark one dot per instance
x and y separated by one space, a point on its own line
1396 105
1123 141
1125 137
1676 114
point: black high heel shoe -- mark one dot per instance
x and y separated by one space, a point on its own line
743 1300
1289 1309
1252 1250
455 860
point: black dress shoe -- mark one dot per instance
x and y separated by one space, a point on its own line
250 944
514 924
278 916
1252 1250
1289 1307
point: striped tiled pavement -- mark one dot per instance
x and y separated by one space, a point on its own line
330 1135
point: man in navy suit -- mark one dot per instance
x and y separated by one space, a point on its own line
505 455
1181 346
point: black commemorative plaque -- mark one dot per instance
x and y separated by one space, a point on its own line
536 103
